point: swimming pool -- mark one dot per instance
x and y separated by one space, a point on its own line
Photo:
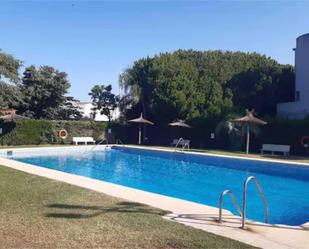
196 178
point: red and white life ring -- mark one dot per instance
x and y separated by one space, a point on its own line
303 140
63 134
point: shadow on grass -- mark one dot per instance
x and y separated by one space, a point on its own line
82 211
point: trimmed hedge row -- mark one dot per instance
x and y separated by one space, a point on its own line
277 131
26 132
289 132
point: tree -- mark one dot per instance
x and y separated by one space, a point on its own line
45 92
10 94
9 67
104 100
69 110
191 84
138 81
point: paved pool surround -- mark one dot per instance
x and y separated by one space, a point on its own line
189 213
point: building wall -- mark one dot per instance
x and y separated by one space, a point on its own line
302 68
86 109
300 108
292 110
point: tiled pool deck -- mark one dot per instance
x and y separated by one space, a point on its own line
189 213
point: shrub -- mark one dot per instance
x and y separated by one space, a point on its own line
26 132
284 131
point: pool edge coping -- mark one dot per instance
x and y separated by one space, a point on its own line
172 150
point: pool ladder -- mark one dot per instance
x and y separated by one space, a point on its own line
101 141
183 146
244 206
118 141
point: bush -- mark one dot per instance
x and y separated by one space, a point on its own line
284 131
277 131
26 132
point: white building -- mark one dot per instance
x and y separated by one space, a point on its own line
300 108
87 112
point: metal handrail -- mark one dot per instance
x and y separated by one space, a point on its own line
185 145
244 207
234 201
102 140
118 141
179 140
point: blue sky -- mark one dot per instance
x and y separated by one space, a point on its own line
94 41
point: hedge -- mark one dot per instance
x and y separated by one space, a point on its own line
278 131
27 132
284 131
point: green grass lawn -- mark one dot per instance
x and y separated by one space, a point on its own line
36 212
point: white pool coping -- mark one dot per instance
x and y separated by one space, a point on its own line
289 162
189 213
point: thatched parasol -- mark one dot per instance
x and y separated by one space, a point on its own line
247 120
140 121
180 123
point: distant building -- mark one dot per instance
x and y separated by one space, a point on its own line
9 111
87 112
300 108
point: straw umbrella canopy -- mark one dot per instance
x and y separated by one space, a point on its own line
249 119
140 121
180 123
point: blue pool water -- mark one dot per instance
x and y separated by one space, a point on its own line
195 178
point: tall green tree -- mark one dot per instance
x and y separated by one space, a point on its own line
69 110
138 83
10 95
104 100
45 92
190 84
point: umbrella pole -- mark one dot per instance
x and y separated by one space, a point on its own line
248 139
139 134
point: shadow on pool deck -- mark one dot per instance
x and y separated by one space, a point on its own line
79 210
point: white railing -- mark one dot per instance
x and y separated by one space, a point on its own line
118 141
184 144
244 207
234 201
101 141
